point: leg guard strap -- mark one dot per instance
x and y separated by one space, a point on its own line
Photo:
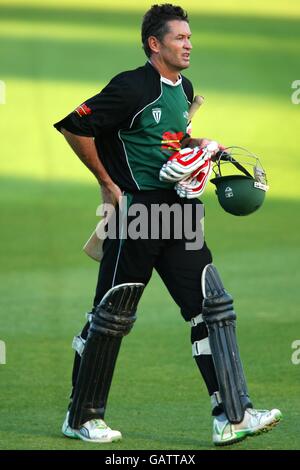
115 315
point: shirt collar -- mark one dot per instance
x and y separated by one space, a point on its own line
166 80
169 82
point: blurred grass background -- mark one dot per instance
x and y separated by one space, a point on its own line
53 55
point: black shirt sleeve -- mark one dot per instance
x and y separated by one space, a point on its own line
105 111
188 89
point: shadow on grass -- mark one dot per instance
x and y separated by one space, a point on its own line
46 224
240 67
210 23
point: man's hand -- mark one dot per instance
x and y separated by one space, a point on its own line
111 195
194 185
183 163
201 143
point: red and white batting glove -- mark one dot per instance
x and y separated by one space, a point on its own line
194 185
183 163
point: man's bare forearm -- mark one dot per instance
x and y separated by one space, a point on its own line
86 150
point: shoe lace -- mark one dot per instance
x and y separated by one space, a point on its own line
99 423
255 412
252 412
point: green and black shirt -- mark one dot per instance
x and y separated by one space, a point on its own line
138 120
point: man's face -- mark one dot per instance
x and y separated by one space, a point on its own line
176 46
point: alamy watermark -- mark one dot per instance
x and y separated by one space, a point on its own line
2 92
296 354
153 222
2 352
296 94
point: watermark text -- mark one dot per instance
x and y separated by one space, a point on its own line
2 92
2 352
296 354
153 222
296 94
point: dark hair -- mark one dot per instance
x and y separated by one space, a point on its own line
155 22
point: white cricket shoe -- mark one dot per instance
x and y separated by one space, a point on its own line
254 423
95 430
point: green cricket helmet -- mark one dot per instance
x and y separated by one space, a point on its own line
243 192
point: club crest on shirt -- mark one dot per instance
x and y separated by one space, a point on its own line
156 112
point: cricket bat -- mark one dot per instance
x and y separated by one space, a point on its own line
93 246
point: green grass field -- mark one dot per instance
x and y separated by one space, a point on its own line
55 54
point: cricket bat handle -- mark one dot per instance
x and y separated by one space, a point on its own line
197 102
